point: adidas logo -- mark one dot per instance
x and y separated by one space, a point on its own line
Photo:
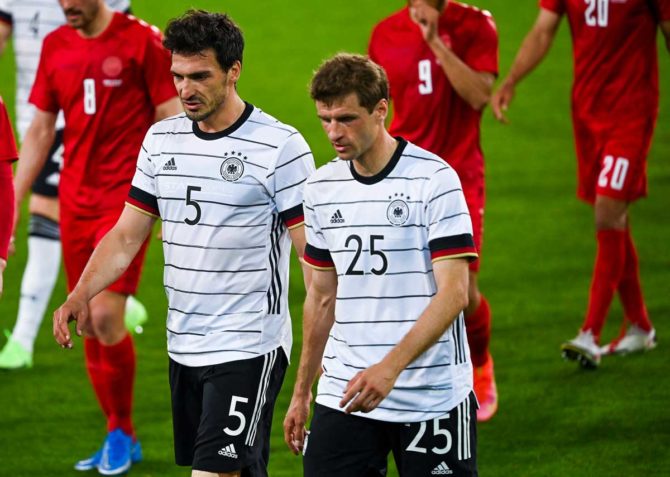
228 451
170 165
337 218
442 469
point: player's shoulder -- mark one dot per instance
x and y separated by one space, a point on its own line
173 125
330 171
470 15
395 22
416 161
136 26
59 36
273 131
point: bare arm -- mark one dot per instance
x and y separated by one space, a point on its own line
110 259
369 387
318 319
299 241
473 86
34 150
168 108
665 29
5 31
533 49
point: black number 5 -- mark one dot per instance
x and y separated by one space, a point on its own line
194 203
359 247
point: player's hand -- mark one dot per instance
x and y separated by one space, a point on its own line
295 422
368 388
426 17
74 309
501 100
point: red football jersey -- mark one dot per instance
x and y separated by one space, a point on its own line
615 58
426 109
7 141
107 87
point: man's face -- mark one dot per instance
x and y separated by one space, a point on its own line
349 126
201 83
80 13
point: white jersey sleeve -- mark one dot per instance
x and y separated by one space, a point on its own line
143 196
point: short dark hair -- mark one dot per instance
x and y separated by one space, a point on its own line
198 30
347 73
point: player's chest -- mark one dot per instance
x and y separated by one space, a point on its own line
215 184
96 70
598 16
367 219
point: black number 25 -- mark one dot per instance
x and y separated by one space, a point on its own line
194 203
373 251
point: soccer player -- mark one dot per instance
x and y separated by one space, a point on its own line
109 74
614 110
389 237
8 155
441 58
28 23
226 180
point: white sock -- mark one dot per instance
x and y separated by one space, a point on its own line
39 279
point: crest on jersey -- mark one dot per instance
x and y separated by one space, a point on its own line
232 169
397 212
112 66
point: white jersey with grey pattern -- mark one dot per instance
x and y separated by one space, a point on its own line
226 200
31 21
382 235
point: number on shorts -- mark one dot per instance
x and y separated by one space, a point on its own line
237 414
618 169
437 431
426 77
597 12
89 96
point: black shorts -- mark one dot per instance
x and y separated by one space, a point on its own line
222 414
49 177
342 445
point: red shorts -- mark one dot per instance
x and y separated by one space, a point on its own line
473 186
612 157
80 235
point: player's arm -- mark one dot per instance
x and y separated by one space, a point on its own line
168 108
6 213
34 150
533 49
299 241
110 259
5 32
473 86
369 387
318 319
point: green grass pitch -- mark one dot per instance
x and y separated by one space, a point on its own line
554 419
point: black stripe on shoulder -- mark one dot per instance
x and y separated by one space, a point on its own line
143 197
6 17
318 253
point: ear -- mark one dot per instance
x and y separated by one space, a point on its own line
235 71
382 109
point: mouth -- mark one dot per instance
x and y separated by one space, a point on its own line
340 148
191 104
72 14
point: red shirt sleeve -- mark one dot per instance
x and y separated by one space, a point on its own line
6 207
157 62
7 141
556 6
42 95
482 55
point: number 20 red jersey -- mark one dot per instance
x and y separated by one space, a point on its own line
108 88
615 56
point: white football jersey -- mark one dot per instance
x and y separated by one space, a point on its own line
382 234
226 201
31 21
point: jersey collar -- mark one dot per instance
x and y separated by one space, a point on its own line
381 175
248 108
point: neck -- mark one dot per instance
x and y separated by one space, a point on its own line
373 161
224 117
99 24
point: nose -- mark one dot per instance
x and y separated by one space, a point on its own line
185 87
334 131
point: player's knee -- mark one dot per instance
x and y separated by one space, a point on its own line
42 226
610 214
106 324
44 206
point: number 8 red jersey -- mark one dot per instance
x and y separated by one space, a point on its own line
108 88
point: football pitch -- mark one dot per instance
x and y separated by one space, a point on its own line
554 419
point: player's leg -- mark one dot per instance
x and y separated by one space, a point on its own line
343 445
237 401
43 264
446 445
478 312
